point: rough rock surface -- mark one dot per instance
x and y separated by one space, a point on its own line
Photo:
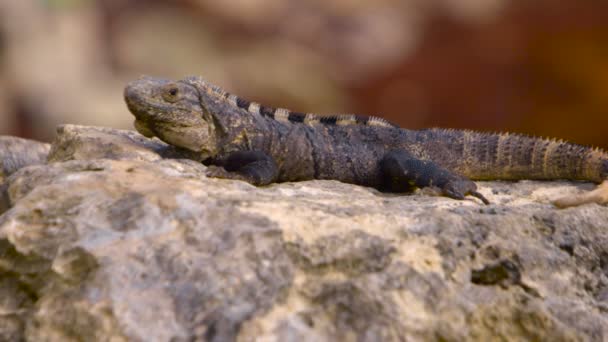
114 239
15 153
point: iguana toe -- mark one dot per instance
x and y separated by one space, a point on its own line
219 172
458 189
480 197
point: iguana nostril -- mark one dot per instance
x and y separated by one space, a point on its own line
132 93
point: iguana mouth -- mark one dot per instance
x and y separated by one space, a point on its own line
135 100
143 128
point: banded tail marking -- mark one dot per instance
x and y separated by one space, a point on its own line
267 111
242 103
282 114
285 115
346 119
518 156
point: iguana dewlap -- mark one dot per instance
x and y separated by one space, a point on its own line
244 140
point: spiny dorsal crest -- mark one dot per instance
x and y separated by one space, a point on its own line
286 115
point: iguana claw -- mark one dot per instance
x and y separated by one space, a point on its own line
480 196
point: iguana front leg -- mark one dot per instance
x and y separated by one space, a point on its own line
255 167
402 171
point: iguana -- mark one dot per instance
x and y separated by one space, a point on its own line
244 140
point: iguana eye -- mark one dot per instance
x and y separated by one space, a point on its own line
171 93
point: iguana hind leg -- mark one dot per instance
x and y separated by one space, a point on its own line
255 167
598 195
402 171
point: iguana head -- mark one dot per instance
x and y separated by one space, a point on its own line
173 112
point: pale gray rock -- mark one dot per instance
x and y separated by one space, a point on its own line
16 153
75 142
118 239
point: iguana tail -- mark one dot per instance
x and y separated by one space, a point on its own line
513 156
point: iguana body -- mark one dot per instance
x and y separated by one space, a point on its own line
261 145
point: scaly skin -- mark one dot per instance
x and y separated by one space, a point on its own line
277 145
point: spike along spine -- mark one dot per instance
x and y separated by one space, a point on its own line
516 156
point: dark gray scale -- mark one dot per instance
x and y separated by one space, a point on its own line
242 103
525 149
328 120
491 149
296 117
267 111
362 120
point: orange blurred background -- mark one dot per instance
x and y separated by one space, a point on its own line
537 67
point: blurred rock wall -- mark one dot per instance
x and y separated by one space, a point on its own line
539 68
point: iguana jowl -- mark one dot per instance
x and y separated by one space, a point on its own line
244 140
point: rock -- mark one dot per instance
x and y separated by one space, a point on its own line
74 142
114 240
16 153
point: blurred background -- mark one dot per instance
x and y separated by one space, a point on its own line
537 67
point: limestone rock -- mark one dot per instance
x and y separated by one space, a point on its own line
117 239
74 142
16 153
